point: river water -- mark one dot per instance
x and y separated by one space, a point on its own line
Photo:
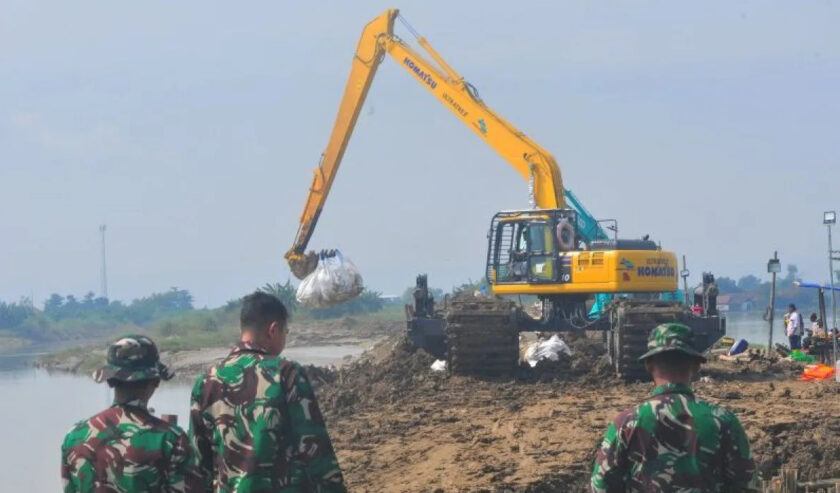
37 409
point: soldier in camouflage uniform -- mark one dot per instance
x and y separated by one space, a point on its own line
674 441
254 418
124 448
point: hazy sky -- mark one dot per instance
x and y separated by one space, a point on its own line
191 130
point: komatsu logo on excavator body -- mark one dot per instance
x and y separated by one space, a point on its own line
648 271
419 73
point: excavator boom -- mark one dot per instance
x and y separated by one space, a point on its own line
533 162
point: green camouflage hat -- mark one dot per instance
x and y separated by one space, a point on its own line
132 358
671 337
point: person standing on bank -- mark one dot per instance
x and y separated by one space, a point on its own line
674 441
124 448
794 329
254 419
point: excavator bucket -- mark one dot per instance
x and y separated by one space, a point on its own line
303 265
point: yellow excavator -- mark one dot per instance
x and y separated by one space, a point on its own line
539 251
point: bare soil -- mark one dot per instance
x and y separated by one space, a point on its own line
397 426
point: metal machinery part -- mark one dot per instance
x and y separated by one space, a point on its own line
479 335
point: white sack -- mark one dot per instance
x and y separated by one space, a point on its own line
549 349
439 365
334 280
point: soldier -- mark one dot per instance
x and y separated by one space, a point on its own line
674 441
124 448
254 418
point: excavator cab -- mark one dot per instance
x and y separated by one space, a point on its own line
527 247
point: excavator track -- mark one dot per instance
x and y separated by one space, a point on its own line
482 338
632 321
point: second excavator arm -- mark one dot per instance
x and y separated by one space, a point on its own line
533 162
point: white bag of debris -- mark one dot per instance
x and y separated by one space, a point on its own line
549 349
439 365
335 280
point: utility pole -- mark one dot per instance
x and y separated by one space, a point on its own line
104 272
773 267
829 218
684 274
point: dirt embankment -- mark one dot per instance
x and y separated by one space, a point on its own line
397 426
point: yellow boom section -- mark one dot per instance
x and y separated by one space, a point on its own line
533 162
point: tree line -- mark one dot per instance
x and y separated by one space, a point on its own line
787 291
71 317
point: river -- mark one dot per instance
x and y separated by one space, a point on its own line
39 408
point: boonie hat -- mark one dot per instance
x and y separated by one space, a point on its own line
671 337
132 358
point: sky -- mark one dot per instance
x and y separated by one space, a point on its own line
191 130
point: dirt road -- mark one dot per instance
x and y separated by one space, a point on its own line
399 427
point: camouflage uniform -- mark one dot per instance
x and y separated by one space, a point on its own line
124 448
257 427
673 441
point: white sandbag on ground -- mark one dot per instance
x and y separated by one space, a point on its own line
335 280
549 349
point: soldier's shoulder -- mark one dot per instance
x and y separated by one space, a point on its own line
74 431
156 424
716 411
280 364
82 429
628 417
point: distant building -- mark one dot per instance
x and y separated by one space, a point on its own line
737 302
391 298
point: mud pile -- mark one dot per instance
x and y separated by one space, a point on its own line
809 443
386 374
588 364
399 426
347 329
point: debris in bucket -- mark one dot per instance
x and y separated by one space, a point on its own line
335 280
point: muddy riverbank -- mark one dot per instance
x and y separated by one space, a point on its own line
398 426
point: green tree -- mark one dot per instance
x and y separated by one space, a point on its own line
53 305
157 305
285 292
87 300
13 315
749 283
367 302
727 285
792 274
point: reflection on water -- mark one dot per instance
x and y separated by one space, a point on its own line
754 329
39 408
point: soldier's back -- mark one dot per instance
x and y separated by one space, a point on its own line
126 449
256 426
675 442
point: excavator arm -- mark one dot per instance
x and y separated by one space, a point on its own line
533 162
